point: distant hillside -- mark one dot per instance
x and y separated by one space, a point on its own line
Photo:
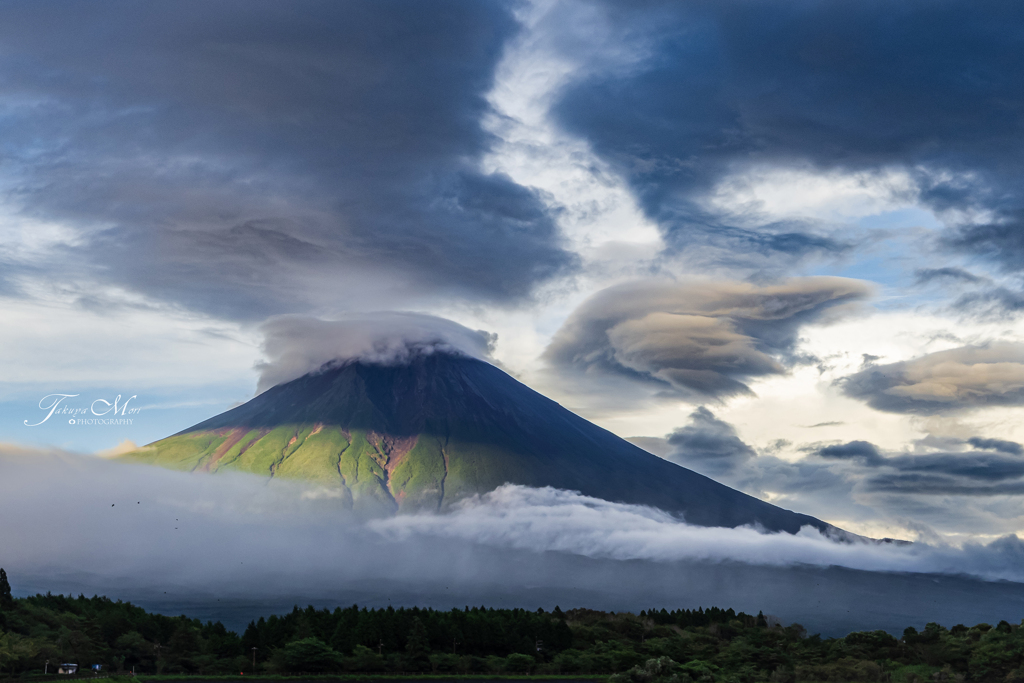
426 434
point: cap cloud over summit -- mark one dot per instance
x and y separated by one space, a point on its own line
296 345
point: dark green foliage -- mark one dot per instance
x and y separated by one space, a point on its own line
872 644
517 663
413 634
657 646
417 645
117 635
310 655
660 670
365 659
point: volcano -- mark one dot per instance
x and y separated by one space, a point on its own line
440 428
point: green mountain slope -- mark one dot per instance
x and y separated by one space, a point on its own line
372 470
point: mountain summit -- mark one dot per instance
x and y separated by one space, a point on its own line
438 429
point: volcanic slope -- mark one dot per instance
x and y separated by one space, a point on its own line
436 430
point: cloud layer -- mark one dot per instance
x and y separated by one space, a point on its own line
284 161
696 338
148 525
945 381
719 89
930 489
564 521
296 345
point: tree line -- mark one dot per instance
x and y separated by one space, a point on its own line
655 646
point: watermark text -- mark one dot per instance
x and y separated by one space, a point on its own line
113 412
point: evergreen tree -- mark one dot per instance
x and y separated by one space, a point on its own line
417 644
6 600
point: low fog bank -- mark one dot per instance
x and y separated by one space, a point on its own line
547 519
832 601
234 547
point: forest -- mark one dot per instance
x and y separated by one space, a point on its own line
654 646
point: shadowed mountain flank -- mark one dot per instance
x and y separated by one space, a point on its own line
438 429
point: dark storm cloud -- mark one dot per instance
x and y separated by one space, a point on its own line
696 338
982 467
712 447
708 445
932 484
855 480
248 158
1010 447
946 381
857 450
971 473
934 88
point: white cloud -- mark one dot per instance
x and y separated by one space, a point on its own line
774 193
297 345
596 210
547 519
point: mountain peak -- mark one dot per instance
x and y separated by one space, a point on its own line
438 428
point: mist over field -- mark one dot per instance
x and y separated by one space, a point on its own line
233 547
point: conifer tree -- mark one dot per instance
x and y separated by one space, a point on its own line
417 643
6 600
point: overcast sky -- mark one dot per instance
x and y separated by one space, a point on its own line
778 242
